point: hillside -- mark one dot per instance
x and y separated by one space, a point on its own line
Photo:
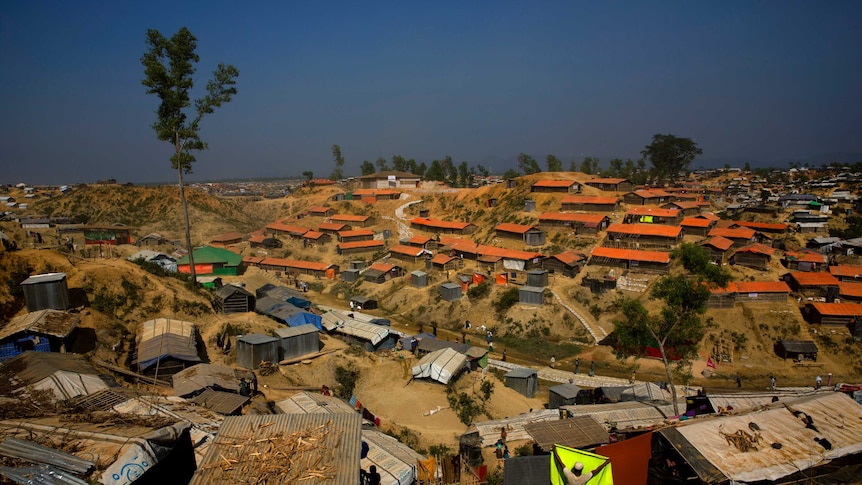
157 209
539 331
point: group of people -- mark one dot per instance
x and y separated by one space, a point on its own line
502 449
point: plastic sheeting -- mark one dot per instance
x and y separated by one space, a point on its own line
440 365
630 458
395 461
67 385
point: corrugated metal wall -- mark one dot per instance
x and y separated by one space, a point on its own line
49 295
299 345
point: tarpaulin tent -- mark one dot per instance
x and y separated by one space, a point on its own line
441 365
591 461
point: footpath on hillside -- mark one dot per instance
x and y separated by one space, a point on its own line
583 379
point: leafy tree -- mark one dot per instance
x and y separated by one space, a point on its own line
670 155
435 172
747 167
573 166
677 329
590 165
399 163
464 174
450 171
511 174
308 174
367 168
695 259
382 164
338 173
554 164
482 171
421 169
615 168
169 67
528 164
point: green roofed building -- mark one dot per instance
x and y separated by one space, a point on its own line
210 260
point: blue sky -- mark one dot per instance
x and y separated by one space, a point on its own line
480 81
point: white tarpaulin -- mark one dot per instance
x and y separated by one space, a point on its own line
395 461
440 365
67 385
514 264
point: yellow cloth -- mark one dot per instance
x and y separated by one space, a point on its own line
591 461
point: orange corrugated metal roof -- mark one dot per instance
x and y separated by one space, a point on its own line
645 229
805 256
360 244
419 239
554 183
850 288
838 309
709 215
567 217
632 255
516 228
815 278
570 257
738 233
442 258
278 226
763 225
507 253
652 211
848 270
313 235
257 238
295 263
606 181
331 226
650 193
356 232
586 199
695 222
320 208
408 250
761 287
349 217
385 267
756 249
436 223
719 242
252 259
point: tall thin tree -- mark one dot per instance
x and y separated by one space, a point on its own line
169 67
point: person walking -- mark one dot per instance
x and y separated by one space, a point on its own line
504 355
577 366
818 382
592 368
553 362
772 382
738 382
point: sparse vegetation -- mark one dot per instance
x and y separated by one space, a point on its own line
346 376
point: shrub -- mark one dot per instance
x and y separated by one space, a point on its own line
346 378
507 300
479 291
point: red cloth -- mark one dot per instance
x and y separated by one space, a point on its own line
630 459
710 363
